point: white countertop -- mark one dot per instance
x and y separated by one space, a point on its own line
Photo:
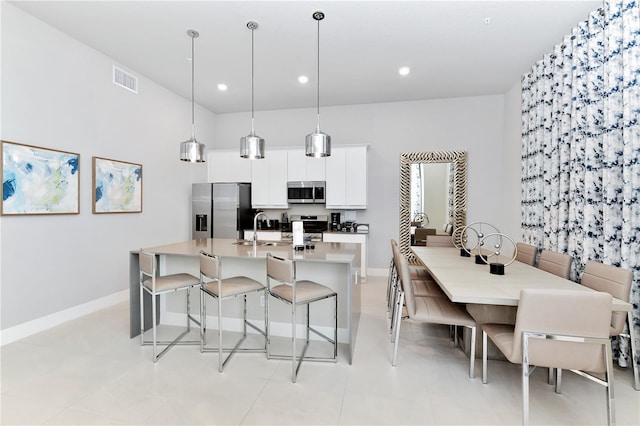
224 247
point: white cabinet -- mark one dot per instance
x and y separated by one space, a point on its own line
269 180
303 168
228 166
346 237
346 177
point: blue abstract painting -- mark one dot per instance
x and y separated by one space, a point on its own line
39 180
117 186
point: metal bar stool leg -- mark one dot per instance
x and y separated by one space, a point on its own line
293 342
203 321
634 362
141 315
220 352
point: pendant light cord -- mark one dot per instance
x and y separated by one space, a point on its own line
252 115
318 80
193 114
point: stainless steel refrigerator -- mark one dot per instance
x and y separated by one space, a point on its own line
220 210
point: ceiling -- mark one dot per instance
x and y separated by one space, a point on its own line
454 48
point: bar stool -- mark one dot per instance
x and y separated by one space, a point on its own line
156 285
223 289
294 293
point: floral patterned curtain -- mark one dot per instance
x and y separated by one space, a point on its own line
581 146
416 190
450 176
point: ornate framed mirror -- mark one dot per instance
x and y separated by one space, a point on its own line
458 191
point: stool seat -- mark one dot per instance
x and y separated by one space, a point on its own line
306 292
171 282
233 286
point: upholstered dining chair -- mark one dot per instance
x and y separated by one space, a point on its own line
439 241
418 273
555 263
422 283
433 310
155 285
617 282
526 253
283 285
212 284
564 329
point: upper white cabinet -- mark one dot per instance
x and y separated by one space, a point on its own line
303 168
269 180
228 166
346 177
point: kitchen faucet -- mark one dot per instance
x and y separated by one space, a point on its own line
255 226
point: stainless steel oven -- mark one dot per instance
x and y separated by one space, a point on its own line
306 192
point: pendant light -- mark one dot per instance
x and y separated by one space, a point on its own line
318 144
192 150
252 145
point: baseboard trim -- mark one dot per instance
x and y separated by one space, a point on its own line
29 328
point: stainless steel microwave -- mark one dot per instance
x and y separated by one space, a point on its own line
307 192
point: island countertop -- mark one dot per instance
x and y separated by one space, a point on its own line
228 247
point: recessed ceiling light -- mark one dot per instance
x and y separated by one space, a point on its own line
404 70
303 79
222 87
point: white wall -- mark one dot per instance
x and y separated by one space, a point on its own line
58 93
474 124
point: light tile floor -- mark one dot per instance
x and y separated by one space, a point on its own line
88 371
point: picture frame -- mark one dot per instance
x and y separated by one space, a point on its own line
39 181
116 186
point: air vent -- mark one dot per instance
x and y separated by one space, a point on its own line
124 79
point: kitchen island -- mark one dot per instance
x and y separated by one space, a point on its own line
336 265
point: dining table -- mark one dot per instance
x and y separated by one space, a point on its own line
492 298
465 281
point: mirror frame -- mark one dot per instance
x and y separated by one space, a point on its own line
459 160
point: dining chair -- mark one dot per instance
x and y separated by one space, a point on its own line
439 241
392 279
212 284
617 282
526 253
555 263
156 285
432 310
564 329
422 283
298 292
418 273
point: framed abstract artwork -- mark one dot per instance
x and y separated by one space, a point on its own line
38 181
117 186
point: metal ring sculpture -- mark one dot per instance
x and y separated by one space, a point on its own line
422 218
463 236
498 246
